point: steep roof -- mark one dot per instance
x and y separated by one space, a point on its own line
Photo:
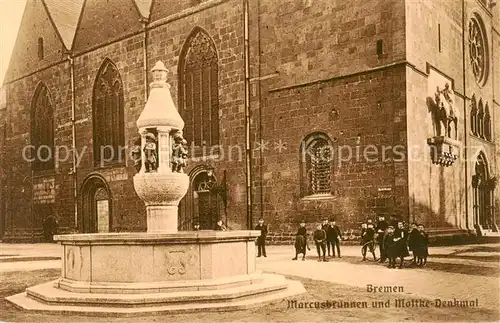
144 7
65 15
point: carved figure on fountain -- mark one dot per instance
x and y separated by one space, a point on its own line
150 152
179 153
136 154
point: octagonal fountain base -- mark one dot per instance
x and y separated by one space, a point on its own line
145 273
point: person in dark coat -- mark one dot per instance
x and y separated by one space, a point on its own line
368 236
329 236
335 235
381 232
421 248
319 237
390 247
261 240
301 241
364 226
412 238
401 238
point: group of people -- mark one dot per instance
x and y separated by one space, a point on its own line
326 237
395 241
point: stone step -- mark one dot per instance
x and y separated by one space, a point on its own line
158 287
292 288
48 294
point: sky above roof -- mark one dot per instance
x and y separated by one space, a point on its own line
11 12
64 13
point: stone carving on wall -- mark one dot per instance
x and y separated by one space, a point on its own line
444 113
444 144
136 154
179 153
177 262
150 152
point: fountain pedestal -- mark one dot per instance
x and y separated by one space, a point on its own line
161 270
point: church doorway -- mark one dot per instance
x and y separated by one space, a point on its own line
201 203
483 196
96 206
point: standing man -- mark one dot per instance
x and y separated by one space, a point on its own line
327 228
382 226
320 241
336 235
261 240
401 239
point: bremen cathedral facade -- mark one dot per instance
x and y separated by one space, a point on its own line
294 110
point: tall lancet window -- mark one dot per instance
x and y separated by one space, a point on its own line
108 119
42 129
487 122
316 165
480 119
198 89
473 115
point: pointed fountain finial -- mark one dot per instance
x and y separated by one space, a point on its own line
159 72
160 110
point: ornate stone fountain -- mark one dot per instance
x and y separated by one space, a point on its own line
161 270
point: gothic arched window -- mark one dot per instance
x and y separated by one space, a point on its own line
42 129
480 119
316 169
198 89
473 115
107 112
487 122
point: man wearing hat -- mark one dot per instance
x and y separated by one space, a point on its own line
150 153
301 241
261 240
380 229
335 236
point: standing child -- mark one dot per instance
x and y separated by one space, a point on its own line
320 241
368 241
301 241
422 246
391 247
412 238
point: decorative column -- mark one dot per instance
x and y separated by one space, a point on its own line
161 182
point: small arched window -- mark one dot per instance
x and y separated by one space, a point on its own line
40 48
487 122
316 165
199 90
42 129
480 119
108 115
473 115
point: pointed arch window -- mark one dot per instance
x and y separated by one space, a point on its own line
42 129
199 90
108 115
487 123
473 115
480 119
317 165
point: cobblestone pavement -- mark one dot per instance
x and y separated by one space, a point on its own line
415 281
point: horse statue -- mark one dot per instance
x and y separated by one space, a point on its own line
445 116
300 247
